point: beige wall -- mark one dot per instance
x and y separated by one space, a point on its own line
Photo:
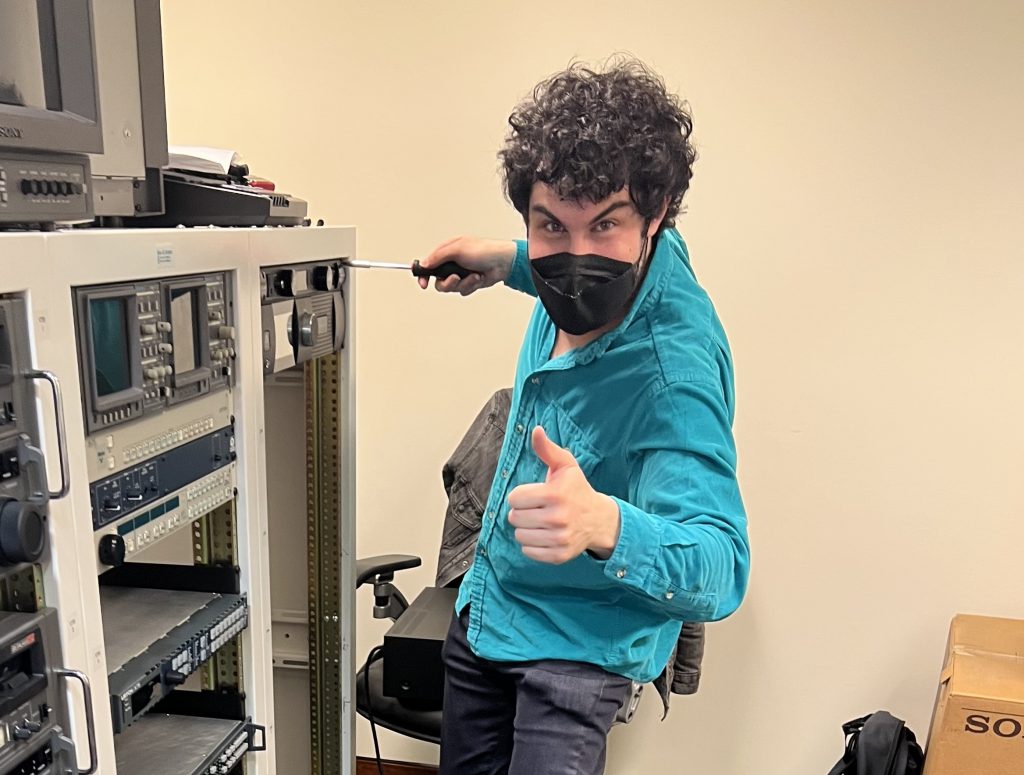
856 215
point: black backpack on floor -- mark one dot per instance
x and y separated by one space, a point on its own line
879 744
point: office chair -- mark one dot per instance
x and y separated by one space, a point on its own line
406 717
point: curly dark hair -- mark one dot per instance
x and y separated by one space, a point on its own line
589 133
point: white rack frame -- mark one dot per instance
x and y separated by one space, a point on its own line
43 268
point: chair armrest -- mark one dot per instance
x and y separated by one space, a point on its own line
369 568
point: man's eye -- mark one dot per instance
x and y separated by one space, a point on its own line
605 225
553 228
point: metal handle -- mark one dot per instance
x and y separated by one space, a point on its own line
62 441
90 724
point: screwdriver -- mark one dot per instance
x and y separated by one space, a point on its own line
447 269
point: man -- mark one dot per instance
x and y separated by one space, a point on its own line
614 513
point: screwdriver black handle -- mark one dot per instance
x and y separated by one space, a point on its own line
447 269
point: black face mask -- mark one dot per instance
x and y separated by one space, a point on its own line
584 293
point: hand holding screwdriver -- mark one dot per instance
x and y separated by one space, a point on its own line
485 263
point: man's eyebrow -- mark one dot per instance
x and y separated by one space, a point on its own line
610 209
546 212
603 214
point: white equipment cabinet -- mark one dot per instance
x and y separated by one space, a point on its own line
265 528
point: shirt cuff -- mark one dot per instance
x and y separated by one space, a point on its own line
630 561
520 278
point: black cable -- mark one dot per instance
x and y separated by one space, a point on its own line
377 652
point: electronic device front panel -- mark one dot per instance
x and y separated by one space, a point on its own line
34 725
157 370
303 312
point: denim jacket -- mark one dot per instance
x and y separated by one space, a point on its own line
467 479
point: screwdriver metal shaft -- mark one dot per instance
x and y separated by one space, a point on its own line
447 269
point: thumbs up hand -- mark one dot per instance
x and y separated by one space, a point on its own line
559 519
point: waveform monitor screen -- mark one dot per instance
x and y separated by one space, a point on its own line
185 329
111 365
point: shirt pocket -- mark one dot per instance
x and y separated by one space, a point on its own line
563 430
581 573
465 511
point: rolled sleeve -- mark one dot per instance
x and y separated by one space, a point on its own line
520 278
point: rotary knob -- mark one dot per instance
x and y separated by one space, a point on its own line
307 331
322 278
112 550
22 532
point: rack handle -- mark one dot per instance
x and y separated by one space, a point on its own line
62 436
90 722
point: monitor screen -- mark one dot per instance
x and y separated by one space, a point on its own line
110 345
185 329
28 61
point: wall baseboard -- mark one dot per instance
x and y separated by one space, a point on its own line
369 767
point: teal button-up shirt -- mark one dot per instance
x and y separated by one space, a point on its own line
647 410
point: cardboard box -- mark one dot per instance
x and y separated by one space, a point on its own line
978 723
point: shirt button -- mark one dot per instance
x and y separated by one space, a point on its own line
483 551
490 514
669 595
519 428
620 573
535 380
504 473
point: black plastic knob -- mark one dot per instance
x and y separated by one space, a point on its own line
174 678
112 550
26 186
20 733
322 278
22 532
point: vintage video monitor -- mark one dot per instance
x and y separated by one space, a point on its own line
110 351
187 304
49 111
48 93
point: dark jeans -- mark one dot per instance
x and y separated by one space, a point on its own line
548 717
